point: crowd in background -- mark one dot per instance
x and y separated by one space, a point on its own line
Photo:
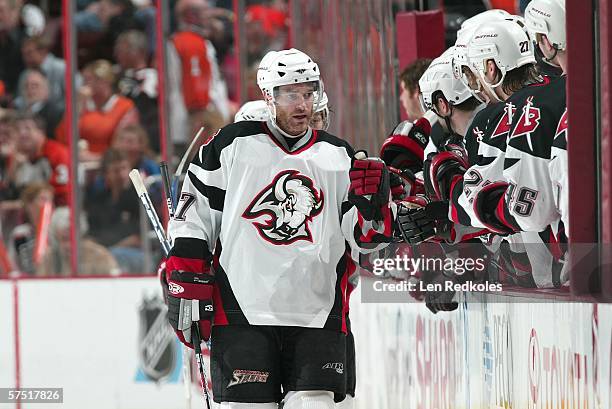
117 88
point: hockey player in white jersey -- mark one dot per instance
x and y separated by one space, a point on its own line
282 205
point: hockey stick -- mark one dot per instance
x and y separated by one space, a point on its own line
181 166
161 236
196 340
163 167
150 210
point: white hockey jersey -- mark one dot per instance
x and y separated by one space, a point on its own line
280 224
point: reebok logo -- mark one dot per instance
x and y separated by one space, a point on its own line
337 366
175 288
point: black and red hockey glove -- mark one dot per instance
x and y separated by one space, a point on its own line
441 170
404 183
441 300
419 220
404 148
190 302
369 189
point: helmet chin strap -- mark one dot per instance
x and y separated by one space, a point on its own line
490 87
553 57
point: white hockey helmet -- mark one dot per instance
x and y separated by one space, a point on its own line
439 77
505 43
478 19
547 17
253 111
324 110
285 67
323 102
465 34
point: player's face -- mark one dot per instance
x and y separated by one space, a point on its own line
294 107
473 82
545 46
410 102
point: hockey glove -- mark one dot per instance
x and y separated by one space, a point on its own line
440 171
404 183
369 189
441 300
488 210
190 302
404 148
419 220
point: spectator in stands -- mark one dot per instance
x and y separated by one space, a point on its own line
11 36
409 88
100 24
197 93
8 161
134 143
114 212
94 259
139 82
43 159
102 111
36 100
36 55
23 237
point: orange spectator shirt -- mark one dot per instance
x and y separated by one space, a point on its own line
98 127
195 69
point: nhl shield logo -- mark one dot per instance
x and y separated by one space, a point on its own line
157 348
290 202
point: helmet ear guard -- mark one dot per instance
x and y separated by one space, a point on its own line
506 43
439 77
547 17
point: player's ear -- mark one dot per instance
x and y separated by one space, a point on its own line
442 106
492 70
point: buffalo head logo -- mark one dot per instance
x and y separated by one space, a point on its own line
292 201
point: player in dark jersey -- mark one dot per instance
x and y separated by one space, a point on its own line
283 206
528 197
494 76
525 201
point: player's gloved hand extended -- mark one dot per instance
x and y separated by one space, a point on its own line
419 219
190 302
369 189
404 148
442 170
404 183
441 299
